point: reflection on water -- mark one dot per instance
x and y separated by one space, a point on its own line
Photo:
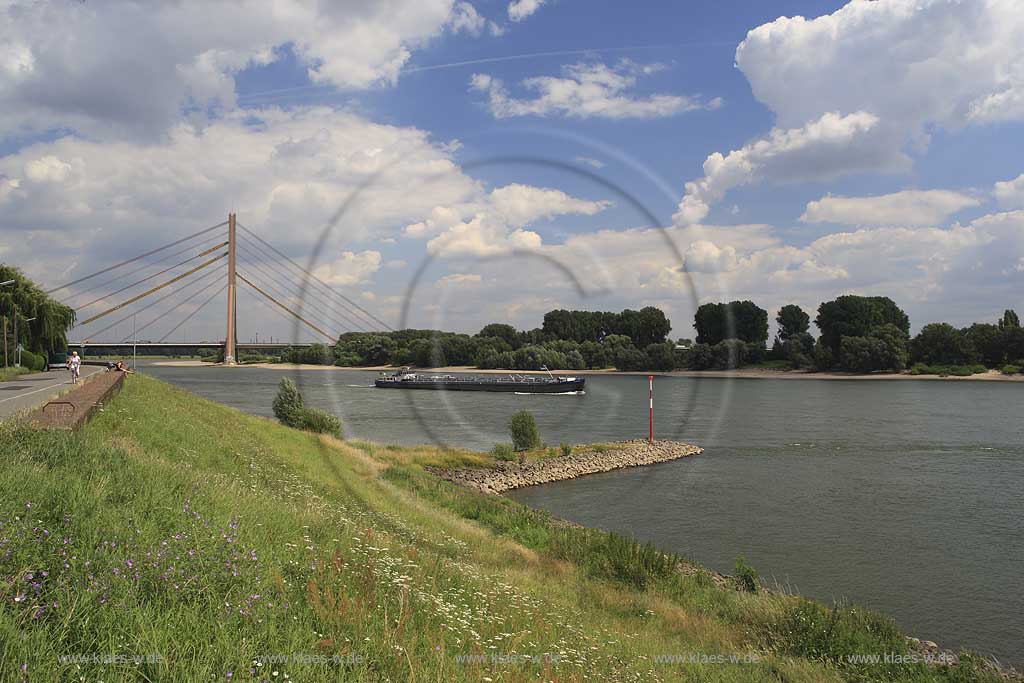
907 496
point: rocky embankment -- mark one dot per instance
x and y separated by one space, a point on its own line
510 475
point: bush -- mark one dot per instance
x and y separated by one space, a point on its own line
33 361
700 357
504 451
746 576
1011 369
292 412
729 354
523 429
566 449
319 421
944 370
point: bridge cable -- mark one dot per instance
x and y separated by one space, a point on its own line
314 277
166 313
330 310
154 289
280 305
143 267
189 316
332 314
205 280
276 311
150 277
140 256
271 262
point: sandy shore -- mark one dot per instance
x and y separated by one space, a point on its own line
743 373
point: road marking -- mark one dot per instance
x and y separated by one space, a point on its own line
29 393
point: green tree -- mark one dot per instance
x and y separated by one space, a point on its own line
792 320
661 357
894 356
798 350
426 353
1009 319
709 321
48 332
653 327
523 430
743 320
501 331
989 341
857 316
729 354
941 344
884 349
700 357
288 405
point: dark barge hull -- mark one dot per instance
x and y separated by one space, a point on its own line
494 386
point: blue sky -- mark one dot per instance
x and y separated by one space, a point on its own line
790 151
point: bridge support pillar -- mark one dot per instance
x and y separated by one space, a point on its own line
230 338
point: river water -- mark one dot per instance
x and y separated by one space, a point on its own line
904 496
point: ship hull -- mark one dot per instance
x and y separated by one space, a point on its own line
492 386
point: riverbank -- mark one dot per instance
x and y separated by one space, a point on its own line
223 546
741 373
505 476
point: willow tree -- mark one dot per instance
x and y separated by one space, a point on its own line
48 331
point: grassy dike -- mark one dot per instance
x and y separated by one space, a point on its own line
192 542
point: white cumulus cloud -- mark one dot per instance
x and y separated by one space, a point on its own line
591 90
350 269
823 148
1010 193
522 9
908 207
497 221
909 62
132 68
904 65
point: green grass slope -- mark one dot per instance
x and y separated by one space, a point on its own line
175 539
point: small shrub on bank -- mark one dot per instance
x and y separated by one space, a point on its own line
1011 369
504 452
523 429
947 370
566 450
746 576
320 421
290 410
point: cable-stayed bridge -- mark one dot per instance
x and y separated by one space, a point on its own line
152 291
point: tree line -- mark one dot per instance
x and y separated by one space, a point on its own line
567 340
857 334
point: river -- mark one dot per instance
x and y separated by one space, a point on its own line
904 496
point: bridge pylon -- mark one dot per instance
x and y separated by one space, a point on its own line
230 338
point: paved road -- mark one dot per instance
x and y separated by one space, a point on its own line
29 391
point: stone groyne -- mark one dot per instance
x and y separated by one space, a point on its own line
509 475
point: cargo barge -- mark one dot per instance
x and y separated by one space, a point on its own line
510 383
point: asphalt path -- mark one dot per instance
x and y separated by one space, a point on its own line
25 392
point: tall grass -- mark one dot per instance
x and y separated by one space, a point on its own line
190 542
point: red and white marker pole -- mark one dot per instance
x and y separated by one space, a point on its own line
650 434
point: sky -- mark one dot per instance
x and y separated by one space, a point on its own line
446 164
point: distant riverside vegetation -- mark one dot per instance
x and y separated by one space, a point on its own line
858 334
